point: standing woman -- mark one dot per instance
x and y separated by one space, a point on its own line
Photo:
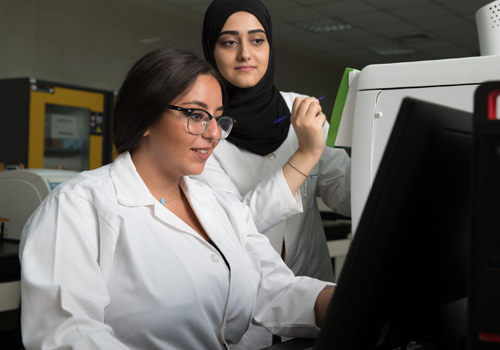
274 168
265 163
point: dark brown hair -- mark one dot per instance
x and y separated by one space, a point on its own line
150 87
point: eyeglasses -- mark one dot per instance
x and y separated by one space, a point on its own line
198 120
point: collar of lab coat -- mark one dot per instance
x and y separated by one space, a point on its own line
132 191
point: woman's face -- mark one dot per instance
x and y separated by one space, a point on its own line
169 145
242 50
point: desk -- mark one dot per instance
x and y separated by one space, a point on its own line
10 295
10 275
338 235
10 269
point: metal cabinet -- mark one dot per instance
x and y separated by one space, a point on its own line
50 125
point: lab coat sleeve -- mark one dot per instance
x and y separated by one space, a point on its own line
285 303
270 202
64 293
334 181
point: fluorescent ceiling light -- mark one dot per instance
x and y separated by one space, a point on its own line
150 40
391 50
324 25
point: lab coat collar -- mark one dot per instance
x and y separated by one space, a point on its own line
194 189
132 191
200 201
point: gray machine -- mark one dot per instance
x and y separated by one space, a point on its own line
21 192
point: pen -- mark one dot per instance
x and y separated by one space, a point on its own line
286 116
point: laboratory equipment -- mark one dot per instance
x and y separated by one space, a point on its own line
21 192
46 125
379 92
488 28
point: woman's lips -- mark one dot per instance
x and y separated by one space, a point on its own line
245 68
201 153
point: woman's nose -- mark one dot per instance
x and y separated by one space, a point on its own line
244 52
213 131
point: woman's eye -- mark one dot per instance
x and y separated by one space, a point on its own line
229 43
197 117
259 41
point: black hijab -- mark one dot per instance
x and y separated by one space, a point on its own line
256 108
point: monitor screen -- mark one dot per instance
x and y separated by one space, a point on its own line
405 276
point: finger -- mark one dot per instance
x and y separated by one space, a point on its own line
300 100
319 120
324 119
296 103
305 108
313 109
295 107
307 105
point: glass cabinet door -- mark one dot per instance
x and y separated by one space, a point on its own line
67 131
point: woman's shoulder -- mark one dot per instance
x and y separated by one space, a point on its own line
86 184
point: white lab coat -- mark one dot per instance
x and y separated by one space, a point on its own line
106 266
258 182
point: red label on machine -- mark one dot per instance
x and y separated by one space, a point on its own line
494 105
489 337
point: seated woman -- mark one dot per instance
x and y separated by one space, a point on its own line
136 255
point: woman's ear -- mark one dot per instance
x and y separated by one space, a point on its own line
146 133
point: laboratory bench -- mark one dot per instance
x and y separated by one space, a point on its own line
10 269
10 291
338 235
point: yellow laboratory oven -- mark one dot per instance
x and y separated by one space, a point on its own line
50 125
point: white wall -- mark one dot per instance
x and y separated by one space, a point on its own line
92 43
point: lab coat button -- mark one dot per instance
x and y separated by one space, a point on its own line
271 156
214 258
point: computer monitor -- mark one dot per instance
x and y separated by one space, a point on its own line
405 276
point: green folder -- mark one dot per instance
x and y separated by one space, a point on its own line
338 108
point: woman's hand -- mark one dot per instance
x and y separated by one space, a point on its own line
307 120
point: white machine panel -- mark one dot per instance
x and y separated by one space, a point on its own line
381 89
21 192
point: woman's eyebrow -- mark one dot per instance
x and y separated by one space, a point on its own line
229 32
198 103
202 104
235 32
253 31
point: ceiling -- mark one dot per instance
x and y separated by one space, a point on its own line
419 29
